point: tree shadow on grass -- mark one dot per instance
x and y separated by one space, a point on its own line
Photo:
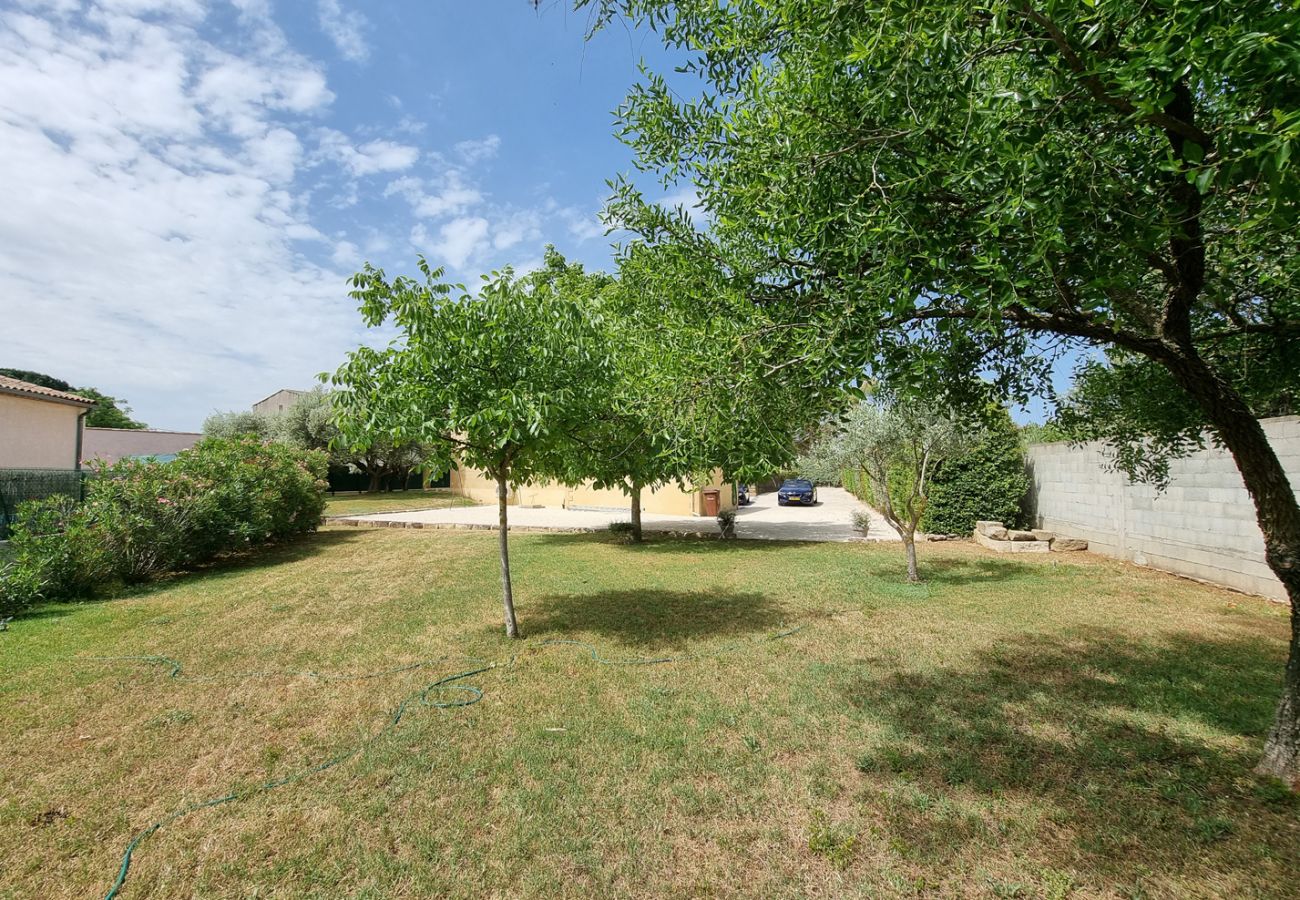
654 619
963 570
657 542
1138 754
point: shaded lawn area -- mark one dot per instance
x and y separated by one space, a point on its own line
396 501
1056 726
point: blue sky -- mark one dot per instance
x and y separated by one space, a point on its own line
190 183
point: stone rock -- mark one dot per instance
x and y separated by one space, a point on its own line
992 530
1041 535
1069 544
1014 535
1012 546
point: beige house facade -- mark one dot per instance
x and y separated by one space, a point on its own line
277 402
40 428
669 500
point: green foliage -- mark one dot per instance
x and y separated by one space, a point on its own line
502 381
835 842
230 425
986 482
888 451
144 519
979 187
508 381
39 378
307 424
727 524
1044 433
107 413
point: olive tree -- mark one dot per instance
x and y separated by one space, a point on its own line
897 446
501 380
955 188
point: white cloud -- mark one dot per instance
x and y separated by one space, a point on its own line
523 225
478 150
457 243
688 199
450 195
346 28
152 240
584 226
346 255
370 158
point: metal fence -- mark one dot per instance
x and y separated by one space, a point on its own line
19 485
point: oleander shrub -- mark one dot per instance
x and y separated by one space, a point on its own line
142 519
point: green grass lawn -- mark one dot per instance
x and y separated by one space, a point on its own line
366 503
1053 726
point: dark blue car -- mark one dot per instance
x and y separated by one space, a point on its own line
799 491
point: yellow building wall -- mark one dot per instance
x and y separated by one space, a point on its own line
37 434
668 500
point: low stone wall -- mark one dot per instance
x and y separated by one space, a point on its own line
1202 525
111 444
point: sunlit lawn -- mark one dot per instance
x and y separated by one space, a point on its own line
394 501
1041 727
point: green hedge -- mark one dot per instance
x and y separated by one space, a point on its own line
987 483
143 519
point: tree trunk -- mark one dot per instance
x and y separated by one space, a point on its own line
1278 516
374 482
636 512
909 543
507 595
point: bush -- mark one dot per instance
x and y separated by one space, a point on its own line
143 519
727 524
987 483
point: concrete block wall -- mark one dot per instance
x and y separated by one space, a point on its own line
1202 525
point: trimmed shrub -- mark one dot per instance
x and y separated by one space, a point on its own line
987 483
143 519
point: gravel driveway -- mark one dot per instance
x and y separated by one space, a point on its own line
830 520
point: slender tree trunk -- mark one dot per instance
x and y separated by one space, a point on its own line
909 543
374 482
503 531
636 511
1278 516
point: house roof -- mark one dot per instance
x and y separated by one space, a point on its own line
36 392
280 391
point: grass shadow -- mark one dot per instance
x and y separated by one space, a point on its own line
1133 751
654 619
657 542
964 570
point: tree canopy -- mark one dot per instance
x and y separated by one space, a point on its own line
501 381
898 446
941 189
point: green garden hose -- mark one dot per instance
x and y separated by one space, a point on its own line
433 695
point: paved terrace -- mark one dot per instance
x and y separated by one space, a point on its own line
830 520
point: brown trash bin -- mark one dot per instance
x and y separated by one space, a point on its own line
712 501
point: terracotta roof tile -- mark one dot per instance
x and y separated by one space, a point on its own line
14 386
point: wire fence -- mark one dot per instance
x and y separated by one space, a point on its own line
20 485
